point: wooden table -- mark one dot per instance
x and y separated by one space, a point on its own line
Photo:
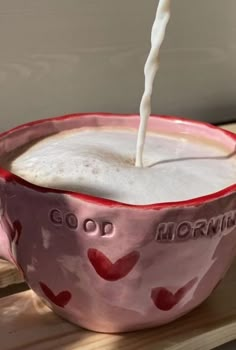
27 324
9 274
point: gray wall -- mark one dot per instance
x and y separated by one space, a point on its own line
62 56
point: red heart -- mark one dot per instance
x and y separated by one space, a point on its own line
61 299
109 271
166 300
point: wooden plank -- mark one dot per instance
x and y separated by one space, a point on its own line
9 274
28 324
13 289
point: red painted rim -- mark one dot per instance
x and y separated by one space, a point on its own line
10 177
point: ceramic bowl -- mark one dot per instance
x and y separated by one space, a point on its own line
109 266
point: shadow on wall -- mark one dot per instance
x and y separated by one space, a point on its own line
215 114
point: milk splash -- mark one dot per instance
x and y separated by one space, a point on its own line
150 70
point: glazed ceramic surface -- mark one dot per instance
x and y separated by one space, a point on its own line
108 266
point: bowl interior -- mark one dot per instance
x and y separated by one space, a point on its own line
21 136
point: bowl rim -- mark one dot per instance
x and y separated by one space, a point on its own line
10 177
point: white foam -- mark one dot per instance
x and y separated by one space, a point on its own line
100 162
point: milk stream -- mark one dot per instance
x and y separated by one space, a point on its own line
150 70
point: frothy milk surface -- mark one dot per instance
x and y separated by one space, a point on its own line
100 162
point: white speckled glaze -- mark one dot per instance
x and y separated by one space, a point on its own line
108 266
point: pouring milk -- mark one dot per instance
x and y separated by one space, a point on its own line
150 70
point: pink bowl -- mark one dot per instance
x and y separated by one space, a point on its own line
109 266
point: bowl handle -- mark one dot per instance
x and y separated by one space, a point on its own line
5 240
